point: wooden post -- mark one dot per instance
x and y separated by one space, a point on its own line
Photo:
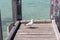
51 9
19 11
59 17
1 37
16 10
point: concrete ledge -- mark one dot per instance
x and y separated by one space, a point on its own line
55 29
36 21
9 27
13 31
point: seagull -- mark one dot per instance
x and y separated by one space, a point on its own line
30 23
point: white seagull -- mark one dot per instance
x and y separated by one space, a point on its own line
30 23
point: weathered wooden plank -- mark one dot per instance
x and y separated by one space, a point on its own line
42 26
35 39
35 36
32 32
42 31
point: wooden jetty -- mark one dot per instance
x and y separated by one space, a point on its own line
40 30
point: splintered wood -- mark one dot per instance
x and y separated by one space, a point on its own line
40 31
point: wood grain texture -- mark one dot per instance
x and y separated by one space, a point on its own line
42 31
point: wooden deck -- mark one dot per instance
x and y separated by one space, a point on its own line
38 31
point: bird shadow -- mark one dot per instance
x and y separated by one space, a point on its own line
32 27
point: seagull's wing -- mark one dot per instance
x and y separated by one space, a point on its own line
30 23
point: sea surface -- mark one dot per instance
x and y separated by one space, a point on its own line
31 9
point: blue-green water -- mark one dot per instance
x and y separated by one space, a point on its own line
31 9
36 9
